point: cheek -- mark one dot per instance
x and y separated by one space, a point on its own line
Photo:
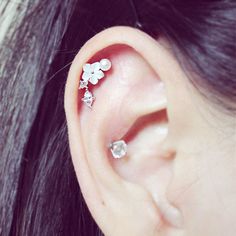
196 192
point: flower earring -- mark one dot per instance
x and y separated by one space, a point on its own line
92 73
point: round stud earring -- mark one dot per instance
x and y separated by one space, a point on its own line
105 64
118 149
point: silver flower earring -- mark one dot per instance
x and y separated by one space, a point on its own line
118 149
92 73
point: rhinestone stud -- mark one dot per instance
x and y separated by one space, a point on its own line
88 98
83 84
118 149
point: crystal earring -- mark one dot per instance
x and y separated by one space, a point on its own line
92 73
118 149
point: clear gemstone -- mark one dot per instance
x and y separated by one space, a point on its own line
105 64
83 84
88 99
118 149
88 94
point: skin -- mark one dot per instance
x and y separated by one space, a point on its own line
178 176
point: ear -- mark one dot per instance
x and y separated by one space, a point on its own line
125 196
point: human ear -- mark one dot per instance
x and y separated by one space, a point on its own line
125 196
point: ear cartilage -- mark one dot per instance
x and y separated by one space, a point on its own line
118 149
92 73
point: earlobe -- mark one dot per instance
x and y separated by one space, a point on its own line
131 103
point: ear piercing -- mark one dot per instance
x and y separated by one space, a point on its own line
92 73
118 149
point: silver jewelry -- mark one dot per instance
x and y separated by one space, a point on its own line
92 73
118 149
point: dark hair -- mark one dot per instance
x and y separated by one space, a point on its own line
39 192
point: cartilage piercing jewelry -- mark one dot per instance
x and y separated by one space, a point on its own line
92 73
118 149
